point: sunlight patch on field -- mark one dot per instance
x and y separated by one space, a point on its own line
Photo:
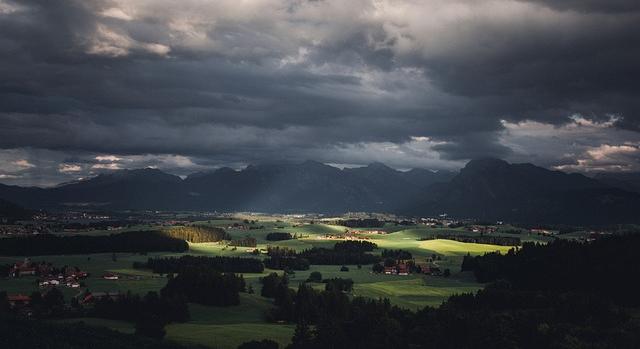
456 248
417 292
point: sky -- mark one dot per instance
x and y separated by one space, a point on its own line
90 86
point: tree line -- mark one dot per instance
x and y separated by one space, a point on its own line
346 252
165 265
279 236
205 286
197 233
360 223
133 241
247 241
396 254
132 307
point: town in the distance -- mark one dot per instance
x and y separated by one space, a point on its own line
512 255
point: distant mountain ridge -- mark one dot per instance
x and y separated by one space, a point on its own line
308 187
489 189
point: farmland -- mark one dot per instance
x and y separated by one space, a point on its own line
230 326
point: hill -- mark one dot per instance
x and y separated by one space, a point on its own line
492 189
10 212
624 181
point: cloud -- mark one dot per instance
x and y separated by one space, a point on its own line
202 83
69 168
22 163
581 145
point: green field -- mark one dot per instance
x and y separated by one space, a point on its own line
230 326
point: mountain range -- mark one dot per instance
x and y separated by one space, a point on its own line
487 189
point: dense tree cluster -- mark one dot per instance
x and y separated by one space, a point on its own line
18 333
134 241
272 284
602 267
245 242
132 307
315 276
360 223
284 258
164 265
205 286
338 284
479 239
287 263
324 256
197 233
279 236
396 254
348 252
355 246
47 304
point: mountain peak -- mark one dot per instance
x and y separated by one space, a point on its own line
379 166
485 164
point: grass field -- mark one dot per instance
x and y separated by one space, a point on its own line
228 327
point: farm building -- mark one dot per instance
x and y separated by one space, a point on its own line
110 276
18 300
23 268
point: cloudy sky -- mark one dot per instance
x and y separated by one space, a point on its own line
89 86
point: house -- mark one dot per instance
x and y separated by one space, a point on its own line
18 300
424 268
50 282
110 276
91 297
23 268
402 269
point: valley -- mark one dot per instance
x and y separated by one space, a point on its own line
228 327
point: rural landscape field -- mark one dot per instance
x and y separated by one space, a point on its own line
230 327
410 265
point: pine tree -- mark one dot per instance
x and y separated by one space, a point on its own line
302 336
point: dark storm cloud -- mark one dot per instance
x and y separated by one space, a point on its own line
222 83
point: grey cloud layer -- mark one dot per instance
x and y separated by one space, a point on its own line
342 82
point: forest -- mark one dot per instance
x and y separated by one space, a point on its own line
132 307
132 241
197 233
164 265
601 268
205 286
